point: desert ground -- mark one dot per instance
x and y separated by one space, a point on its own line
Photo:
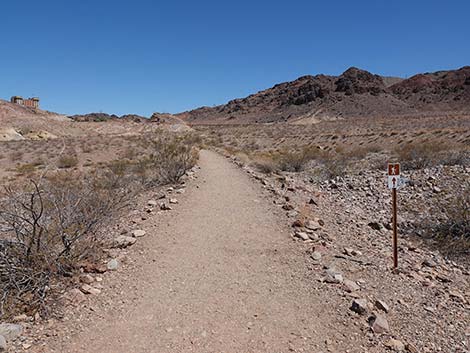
168 236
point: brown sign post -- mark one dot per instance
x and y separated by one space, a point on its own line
393 182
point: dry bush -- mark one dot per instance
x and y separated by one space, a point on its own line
265 164
296 160
334 165
453 232
26 169
171 157
427 154
49 227
65 162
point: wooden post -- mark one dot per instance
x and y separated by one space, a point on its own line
395 235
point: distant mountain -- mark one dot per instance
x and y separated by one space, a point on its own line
355 93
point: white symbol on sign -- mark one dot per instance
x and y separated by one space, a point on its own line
393 182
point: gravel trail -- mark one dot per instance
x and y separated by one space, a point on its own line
225 277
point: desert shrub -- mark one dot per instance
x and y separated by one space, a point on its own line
334 165
25 169
418 155
427 154
49 227
454 230
265 164
65 162
296 161
171 157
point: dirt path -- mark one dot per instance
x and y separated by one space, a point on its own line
222 277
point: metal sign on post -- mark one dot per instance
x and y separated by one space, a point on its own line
394 183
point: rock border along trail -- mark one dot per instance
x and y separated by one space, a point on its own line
219 273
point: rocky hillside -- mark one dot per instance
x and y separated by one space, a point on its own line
18 122
100 117
355 93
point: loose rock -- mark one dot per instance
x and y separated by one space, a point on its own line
138 233
395 345
87 279
350 286
112 264
359 306
87 289
75 296
3 344
333 276
165 207
302 235
10 331
378 323
124 241
379 304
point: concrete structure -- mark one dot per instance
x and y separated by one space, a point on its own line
30 102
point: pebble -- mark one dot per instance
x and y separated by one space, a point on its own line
350 286
152 203
302 235
124 241
379 304
138 233
395 345
359 306
112 264
378 323
87 289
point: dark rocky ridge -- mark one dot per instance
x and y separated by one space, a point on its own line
355 93
97 117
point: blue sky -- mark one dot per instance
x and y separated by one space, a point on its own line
143 56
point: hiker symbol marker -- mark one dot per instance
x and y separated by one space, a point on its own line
393 175
394 183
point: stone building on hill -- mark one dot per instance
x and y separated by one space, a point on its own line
30 102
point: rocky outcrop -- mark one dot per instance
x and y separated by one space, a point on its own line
99 117
355 93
